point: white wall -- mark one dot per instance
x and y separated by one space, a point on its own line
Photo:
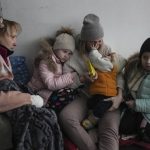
126 23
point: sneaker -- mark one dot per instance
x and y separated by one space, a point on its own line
87 125
90 122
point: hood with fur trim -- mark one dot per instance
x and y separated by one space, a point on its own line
46 54
133 59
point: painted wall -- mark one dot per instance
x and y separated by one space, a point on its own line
126 23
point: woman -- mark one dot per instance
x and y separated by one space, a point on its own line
72 115
31 127
9 100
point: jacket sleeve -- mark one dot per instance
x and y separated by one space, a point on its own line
142 105
99 62
13 99
66 69
53 81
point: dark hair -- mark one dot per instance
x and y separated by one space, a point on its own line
145 47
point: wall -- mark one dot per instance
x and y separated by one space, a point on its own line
126 22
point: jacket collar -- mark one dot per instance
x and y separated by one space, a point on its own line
5 52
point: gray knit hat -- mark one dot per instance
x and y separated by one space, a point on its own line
64 41
91 29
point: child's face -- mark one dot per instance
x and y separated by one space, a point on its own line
63 54
145 60
9 40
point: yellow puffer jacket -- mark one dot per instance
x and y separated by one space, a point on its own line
106 84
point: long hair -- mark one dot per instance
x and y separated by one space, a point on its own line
45 55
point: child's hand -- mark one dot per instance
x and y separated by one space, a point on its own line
90 78
94 77
110 56
82 79
130 103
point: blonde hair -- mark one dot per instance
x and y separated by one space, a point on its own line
8 26
46 55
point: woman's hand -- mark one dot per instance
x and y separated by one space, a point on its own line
93 45
116 100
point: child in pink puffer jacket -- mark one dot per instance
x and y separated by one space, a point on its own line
48 79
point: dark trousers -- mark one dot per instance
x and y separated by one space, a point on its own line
98 106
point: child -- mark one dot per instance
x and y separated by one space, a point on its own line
137 94
107 67
48 76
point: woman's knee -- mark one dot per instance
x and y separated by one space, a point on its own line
74 111
110 122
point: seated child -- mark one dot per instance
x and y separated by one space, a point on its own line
105 86
48 79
